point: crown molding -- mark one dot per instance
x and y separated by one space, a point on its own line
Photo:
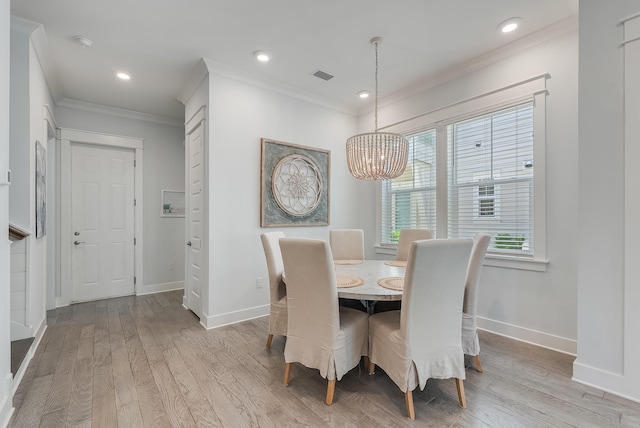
207 66
119 112
197 76
529 41
40 43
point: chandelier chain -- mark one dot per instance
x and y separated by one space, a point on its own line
376 101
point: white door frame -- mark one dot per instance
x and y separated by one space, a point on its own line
196 120
67 137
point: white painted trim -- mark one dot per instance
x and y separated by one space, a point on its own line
198 117
159 288
538 338
17 377
20 331
90 137
476 104
223 70
119 112
6 405
40 43
198 74
65 223
520 263
629 18
631 272
53 241
543 35
66 137
603 380
211 322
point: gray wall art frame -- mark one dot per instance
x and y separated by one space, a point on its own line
294 185
41 190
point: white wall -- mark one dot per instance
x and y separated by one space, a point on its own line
240 114
163 169
20 154
6 396
29 95
606 352
39 96
534 306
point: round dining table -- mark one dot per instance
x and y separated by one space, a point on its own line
370 271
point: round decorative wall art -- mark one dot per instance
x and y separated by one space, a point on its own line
296 184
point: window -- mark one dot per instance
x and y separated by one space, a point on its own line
490 178
409 201
483 183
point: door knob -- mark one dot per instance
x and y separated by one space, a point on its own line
79 242
76 233
189 243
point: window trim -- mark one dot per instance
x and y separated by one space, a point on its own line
533 89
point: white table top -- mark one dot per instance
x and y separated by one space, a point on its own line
370 271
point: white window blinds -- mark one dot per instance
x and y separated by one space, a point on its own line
409 201
490 178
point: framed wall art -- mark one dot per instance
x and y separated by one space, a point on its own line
41 190
294 185
172 203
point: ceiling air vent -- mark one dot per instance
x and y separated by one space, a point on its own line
321 74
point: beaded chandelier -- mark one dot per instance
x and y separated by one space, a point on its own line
377 155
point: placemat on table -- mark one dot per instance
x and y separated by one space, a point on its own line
392 283
347 262
396 263
347 281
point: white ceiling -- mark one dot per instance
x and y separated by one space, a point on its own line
159 42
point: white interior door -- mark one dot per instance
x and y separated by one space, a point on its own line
102 222
195 178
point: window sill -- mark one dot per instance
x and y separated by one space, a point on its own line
509 262
512 262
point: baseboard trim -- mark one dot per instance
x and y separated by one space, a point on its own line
538 338
216 321
17 378
613 383
159 288
6 403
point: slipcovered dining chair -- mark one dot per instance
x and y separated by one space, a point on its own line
470 342
407 236
277 289
422 339
321 335
347 244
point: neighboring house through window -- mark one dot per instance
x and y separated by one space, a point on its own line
474 172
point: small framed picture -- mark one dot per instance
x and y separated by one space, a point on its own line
172 203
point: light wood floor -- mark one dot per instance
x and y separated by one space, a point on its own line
145 361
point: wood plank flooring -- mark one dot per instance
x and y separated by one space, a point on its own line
146 362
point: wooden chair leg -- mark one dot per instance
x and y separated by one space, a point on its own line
408 398
462 399
476 360
331 386
287 368
269 339
366 362
372 368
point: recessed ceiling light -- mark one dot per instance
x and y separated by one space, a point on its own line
261 56
123 76
364 94
85 42
509 25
